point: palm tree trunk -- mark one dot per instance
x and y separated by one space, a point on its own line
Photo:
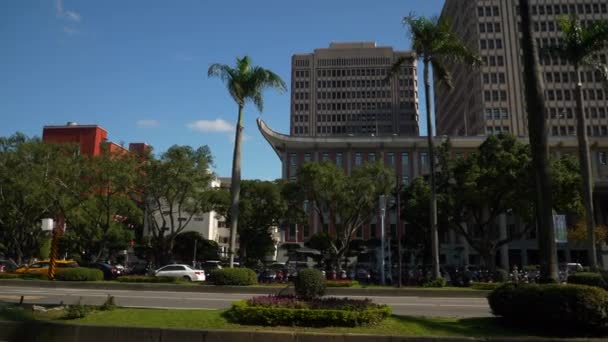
431 161
235 186
537 129
583 150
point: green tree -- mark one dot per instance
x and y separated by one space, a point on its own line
177 187
32 178
245 82
102 224
580 47
261 207
183 249
435 45
343 202
536 109
491 182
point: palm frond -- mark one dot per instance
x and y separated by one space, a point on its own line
258 101
596 64
396 67
275 81
441 74
454 50
223 71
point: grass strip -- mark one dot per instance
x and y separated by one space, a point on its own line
214 319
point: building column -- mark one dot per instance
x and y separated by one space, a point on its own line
285 163
504 249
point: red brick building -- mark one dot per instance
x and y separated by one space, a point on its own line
88 137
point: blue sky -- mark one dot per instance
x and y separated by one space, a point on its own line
138 68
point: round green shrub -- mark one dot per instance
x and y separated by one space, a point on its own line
439 282
577 307
79 274
501 276
587 278
310 284
234 276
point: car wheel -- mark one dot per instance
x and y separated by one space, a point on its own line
186 278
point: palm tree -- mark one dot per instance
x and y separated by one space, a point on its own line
245 82
580 47
535 106
435 44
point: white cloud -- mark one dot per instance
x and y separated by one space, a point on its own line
62 13
147 123
217 125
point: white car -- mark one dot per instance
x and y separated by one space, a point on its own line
180 271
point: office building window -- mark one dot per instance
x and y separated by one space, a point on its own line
371 157
424 160
293 161
306 157
391 159
339 161
602 157
372 230
325 156
358 159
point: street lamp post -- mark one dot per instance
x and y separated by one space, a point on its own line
49 225
382 204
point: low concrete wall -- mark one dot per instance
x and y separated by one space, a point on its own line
59 332
412 292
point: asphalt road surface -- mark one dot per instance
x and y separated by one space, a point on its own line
401 305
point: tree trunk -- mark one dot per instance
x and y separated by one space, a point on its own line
431 161
235 187
489 259
583 156
537 129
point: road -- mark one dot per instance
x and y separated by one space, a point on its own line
414 306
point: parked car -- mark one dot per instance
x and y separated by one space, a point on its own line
8 266
109 272
43 266
180 271
210 266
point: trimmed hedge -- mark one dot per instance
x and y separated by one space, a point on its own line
309 284
79 274
234 276
144 279
552 305
588 278
341 283
9 276
485 286
242 313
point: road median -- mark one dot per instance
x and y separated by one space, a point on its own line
260 289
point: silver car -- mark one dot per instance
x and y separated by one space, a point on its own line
180 271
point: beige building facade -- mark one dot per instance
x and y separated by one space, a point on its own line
490 99
344 90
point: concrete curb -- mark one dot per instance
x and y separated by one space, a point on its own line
389 292
38 331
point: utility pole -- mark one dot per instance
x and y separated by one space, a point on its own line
382 204
194 255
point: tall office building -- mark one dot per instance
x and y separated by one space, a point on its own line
490 99
342 90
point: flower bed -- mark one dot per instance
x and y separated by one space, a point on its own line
321 312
